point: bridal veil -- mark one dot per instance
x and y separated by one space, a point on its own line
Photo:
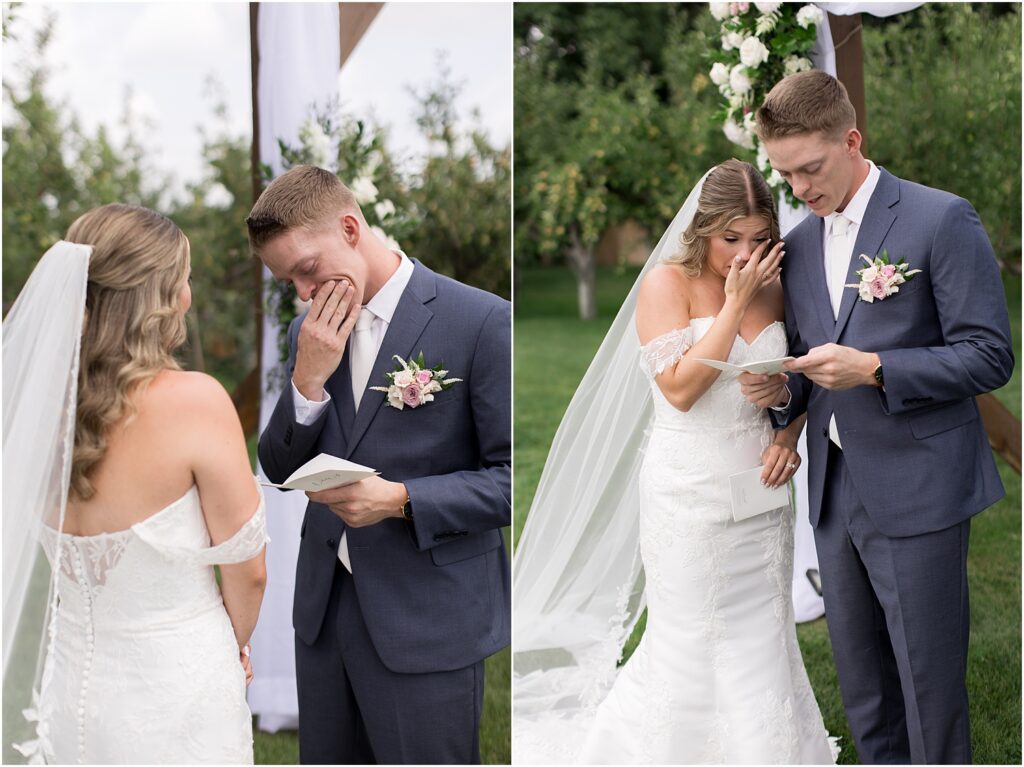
578 581
41 340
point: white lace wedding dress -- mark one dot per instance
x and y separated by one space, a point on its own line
718 676
143 664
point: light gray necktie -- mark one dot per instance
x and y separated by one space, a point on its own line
838 261
364 352
363 349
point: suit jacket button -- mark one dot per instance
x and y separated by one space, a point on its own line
331 543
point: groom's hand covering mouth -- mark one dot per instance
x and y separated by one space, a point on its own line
322 337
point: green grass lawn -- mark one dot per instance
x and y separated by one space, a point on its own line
552 349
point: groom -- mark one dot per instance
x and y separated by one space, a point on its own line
402 585
898 458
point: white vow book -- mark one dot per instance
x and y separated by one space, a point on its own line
750 497
763 367
324 472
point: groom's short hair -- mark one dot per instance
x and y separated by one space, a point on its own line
806 102
304 197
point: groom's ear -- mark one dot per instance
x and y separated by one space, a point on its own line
351 228
852 141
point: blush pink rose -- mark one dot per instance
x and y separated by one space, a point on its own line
878 289
423 377
411 395
888 271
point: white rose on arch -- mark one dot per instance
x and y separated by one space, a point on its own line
720 74
753 53
739 81
386 238
809 14
364 190
383 209
737 134
795 64
719 10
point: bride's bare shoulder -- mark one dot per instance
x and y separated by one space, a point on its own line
189 396
663 301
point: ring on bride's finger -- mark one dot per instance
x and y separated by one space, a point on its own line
790 465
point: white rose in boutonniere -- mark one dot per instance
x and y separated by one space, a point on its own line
753 53
880 278
809 14
413 384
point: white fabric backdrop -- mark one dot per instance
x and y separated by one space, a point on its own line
299 53
806 602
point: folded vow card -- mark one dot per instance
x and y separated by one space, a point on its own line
750 497
765 367
324 473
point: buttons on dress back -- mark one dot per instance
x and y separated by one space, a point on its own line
83 693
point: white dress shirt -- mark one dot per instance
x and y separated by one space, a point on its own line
838 251
383 305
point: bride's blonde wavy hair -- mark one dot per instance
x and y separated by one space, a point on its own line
732 190
133 320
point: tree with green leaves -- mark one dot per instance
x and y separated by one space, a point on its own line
611 106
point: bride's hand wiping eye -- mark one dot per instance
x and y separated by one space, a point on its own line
746 279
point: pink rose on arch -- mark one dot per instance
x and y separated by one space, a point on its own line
423 377
411 395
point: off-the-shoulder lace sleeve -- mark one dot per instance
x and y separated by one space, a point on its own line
666 350
243 545
190 543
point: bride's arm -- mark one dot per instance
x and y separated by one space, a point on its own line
663 305
229 498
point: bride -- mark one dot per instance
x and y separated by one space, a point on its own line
633 509
132 477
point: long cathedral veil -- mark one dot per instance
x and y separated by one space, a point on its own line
41 342
578 587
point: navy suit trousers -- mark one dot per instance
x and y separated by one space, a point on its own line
431 718
888 600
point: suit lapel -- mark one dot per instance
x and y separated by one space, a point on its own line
410 319
878 220
819 287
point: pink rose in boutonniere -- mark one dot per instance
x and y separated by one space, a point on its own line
412 383
880 278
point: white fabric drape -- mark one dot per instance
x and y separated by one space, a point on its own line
299 47
806 602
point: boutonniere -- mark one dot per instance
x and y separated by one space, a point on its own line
880 278
412 383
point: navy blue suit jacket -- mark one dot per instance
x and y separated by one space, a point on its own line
435 591
918 453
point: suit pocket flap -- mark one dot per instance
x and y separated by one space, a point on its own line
472 546
943 419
